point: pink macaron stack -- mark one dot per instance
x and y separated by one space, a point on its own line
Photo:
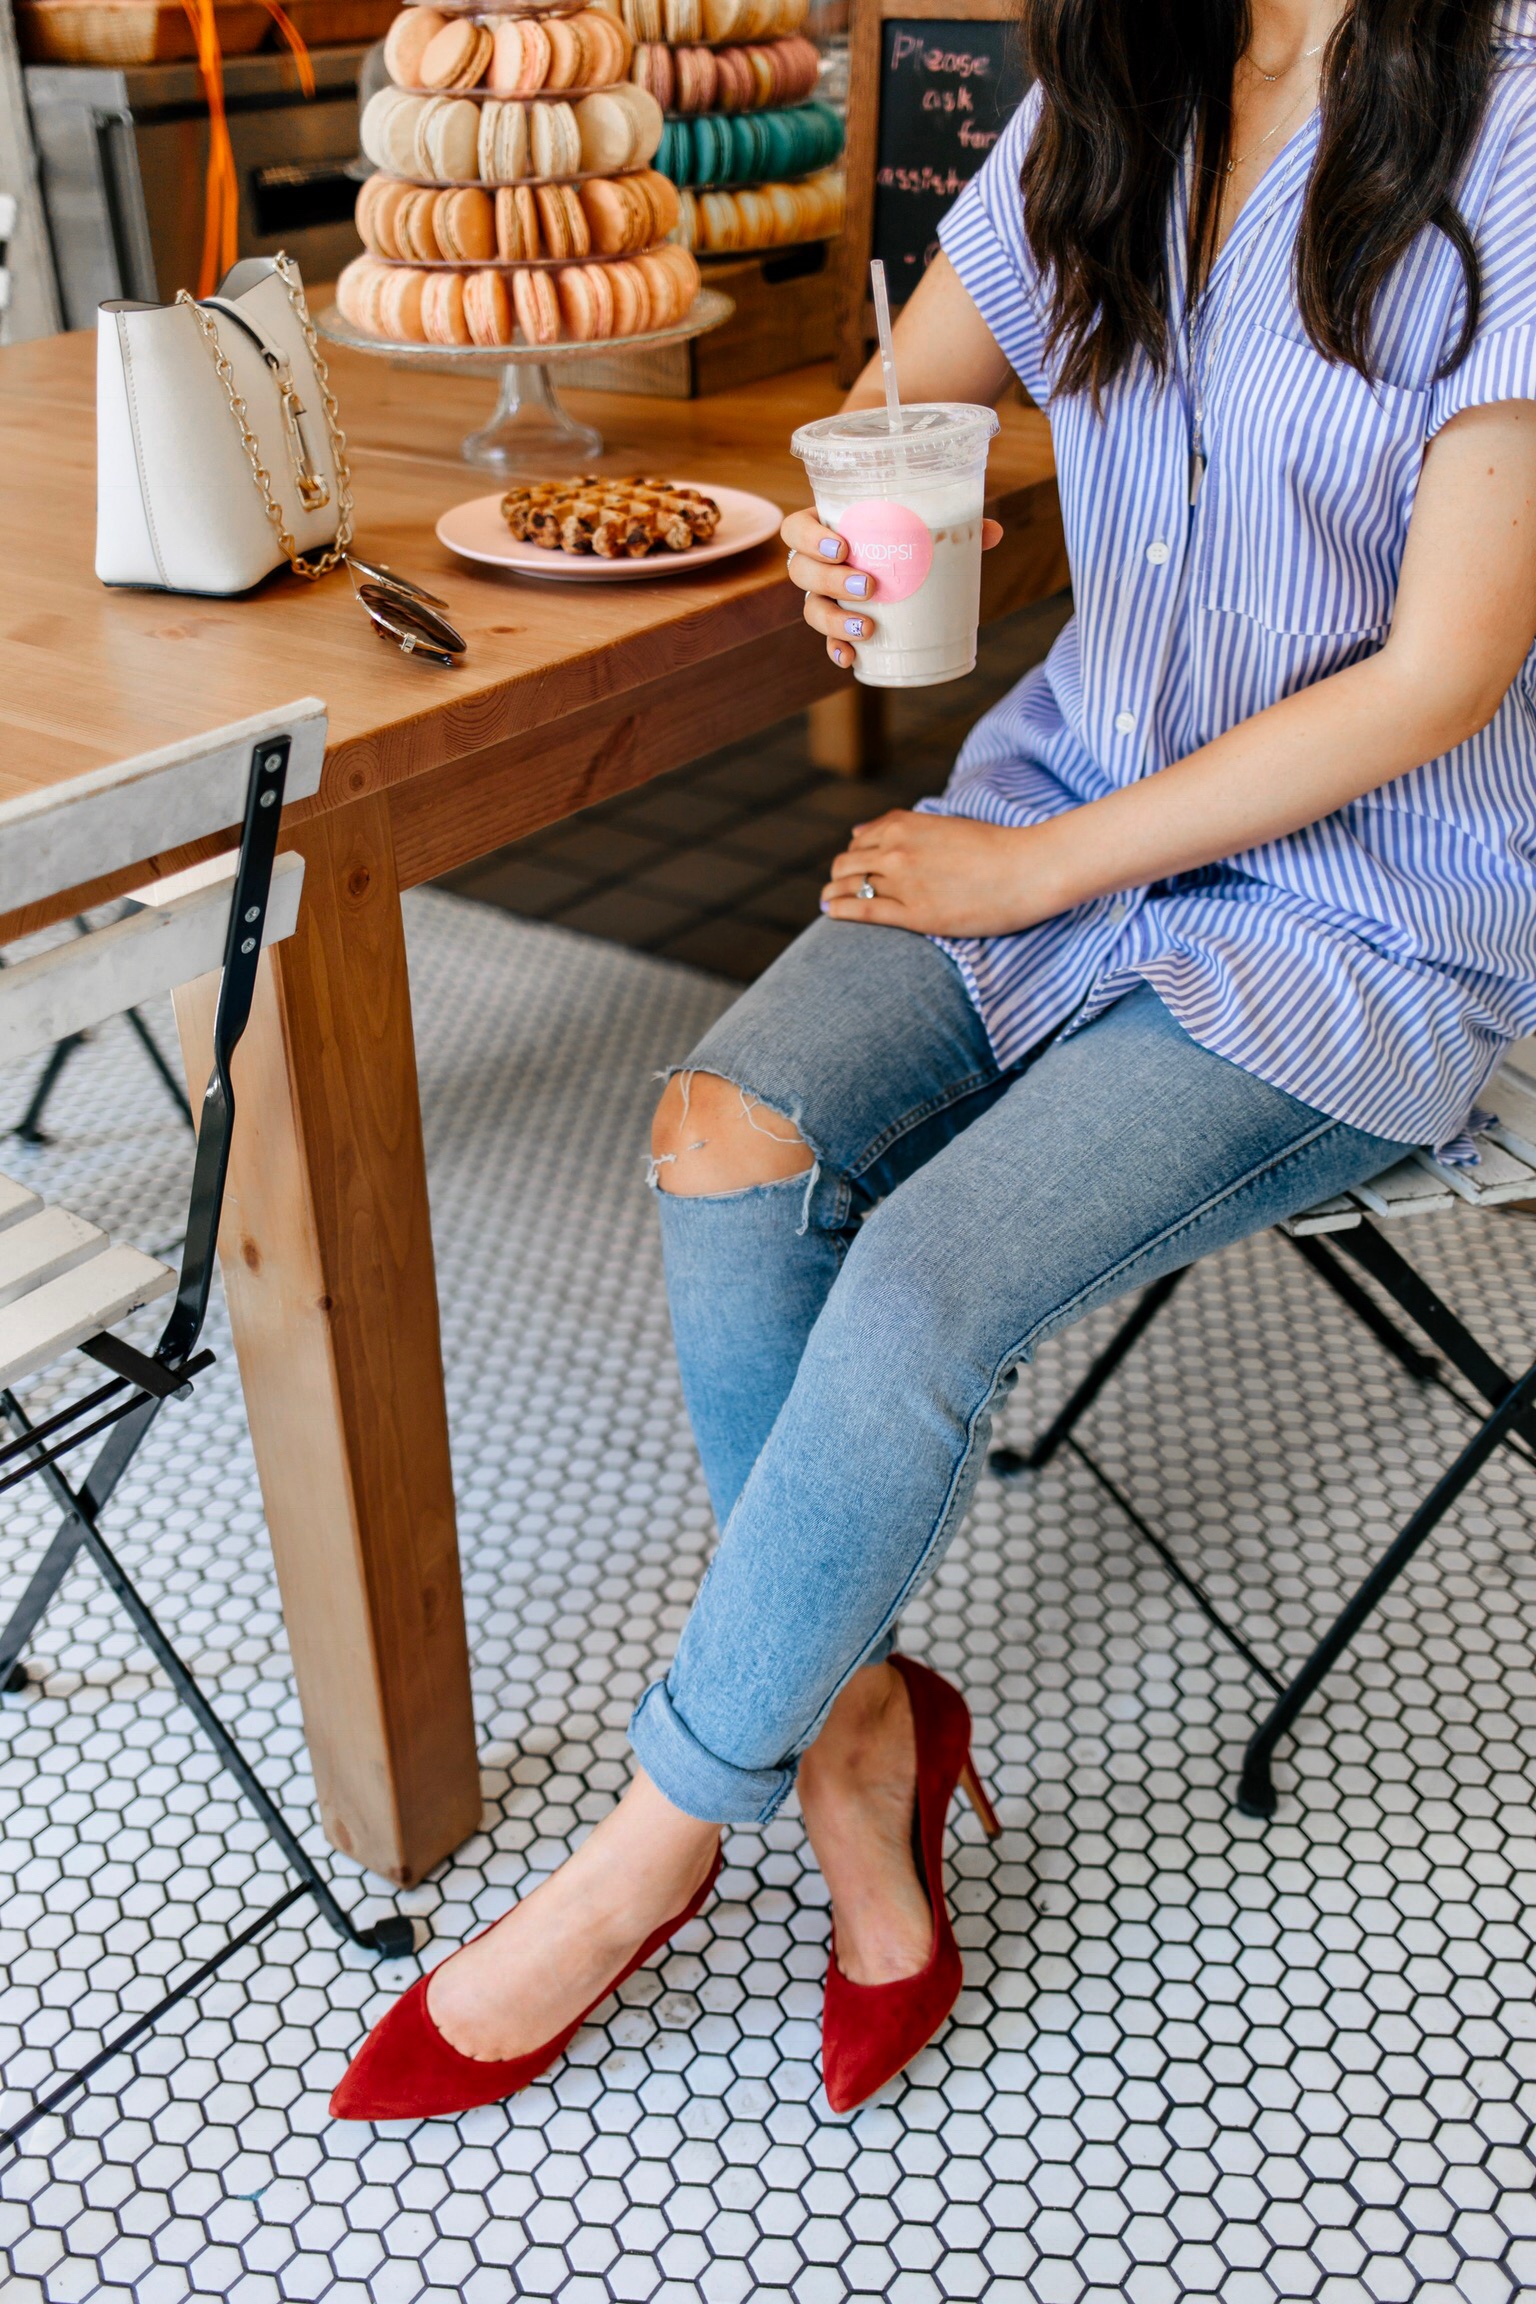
754 78
512 200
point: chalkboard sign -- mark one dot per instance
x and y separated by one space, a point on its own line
946 92
928 96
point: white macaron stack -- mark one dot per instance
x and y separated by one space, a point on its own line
492 140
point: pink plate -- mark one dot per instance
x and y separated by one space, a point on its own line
477 531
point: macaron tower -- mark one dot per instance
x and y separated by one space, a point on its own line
513 200
750 150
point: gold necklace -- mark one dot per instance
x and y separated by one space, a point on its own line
1240 159
1272 77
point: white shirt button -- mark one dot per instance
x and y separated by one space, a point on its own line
1124 723
1157 553
1117 909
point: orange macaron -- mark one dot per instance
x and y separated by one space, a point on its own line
520 59
631 299
465 224
608 48
567 52
488 308
415 223
562 221
586 301
517 225
442 309
407 41
537 307
400 305
455 57
618 214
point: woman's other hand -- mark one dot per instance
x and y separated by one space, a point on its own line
839 599
941 876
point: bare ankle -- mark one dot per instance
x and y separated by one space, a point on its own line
871 1715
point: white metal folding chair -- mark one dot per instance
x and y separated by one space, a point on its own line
1504 1413
64 1287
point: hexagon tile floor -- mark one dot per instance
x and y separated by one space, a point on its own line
1194 2057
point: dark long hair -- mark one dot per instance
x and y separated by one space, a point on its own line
1128 84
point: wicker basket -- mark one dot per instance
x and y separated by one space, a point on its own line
129 31
160 31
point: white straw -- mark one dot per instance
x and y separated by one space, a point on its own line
887 351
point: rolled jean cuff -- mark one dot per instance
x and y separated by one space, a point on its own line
693 1778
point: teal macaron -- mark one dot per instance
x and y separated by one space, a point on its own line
831 134
712 148
742 166
725 148
674 153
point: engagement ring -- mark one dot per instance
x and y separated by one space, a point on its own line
867 891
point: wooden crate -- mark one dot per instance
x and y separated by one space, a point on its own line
785 316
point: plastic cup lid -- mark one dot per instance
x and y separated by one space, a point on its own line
935 436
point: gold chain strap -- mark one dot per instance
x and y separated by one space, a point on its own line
288 273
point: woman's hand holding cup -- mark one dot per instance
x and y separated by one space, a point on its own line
837 597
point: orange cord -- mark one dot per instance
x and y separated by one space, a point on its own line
221 192
295 40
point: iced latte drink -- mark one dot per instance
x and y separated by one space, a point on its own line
909 504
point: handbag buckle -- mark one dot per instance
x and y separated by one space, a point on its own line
314 492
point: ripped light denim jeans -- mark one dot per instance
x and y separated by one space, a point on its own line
844 1334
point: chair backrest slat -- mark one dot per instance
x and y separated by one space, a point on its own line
85 979
68 835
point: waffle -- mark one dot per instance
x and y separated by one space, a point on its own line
620 519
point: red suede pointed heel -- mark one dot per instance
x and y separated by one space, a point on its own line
870 2031
406 2070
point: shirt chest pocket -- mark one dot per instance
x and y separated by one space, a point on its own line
1308 491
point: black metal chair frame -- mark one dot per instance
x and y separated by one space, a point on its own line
1512 1423
127 1408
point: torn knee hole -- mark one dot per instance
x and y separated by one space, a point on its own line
721 1137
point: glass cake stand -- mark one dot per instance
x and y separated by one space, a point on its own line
529 432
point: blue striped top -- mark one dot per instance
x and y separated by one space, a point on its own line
1375 964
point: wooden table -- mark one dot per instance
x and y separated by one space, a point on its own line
566 695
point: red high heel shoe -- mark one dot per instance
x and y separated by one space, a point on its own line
406 2070
870 2031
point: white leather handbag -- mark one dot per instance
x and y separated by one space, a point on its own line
218 450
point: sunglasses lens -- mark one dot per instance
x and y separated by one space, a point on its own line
424 621
406 637
377 573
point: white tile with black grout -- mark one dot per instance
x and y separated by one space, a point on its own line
1195 2056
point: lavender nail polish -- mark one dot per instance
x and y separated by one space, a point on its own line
854 627
857 586
829 547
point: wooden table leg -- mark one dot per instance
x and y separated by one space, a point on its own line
327 1255
846 731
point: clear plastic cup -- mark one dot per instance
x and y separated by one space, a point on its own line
909 504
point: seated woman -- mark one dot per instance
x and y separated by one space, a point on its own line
1226 905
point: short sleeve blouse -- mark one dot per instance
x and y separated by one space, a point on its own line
1376 964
